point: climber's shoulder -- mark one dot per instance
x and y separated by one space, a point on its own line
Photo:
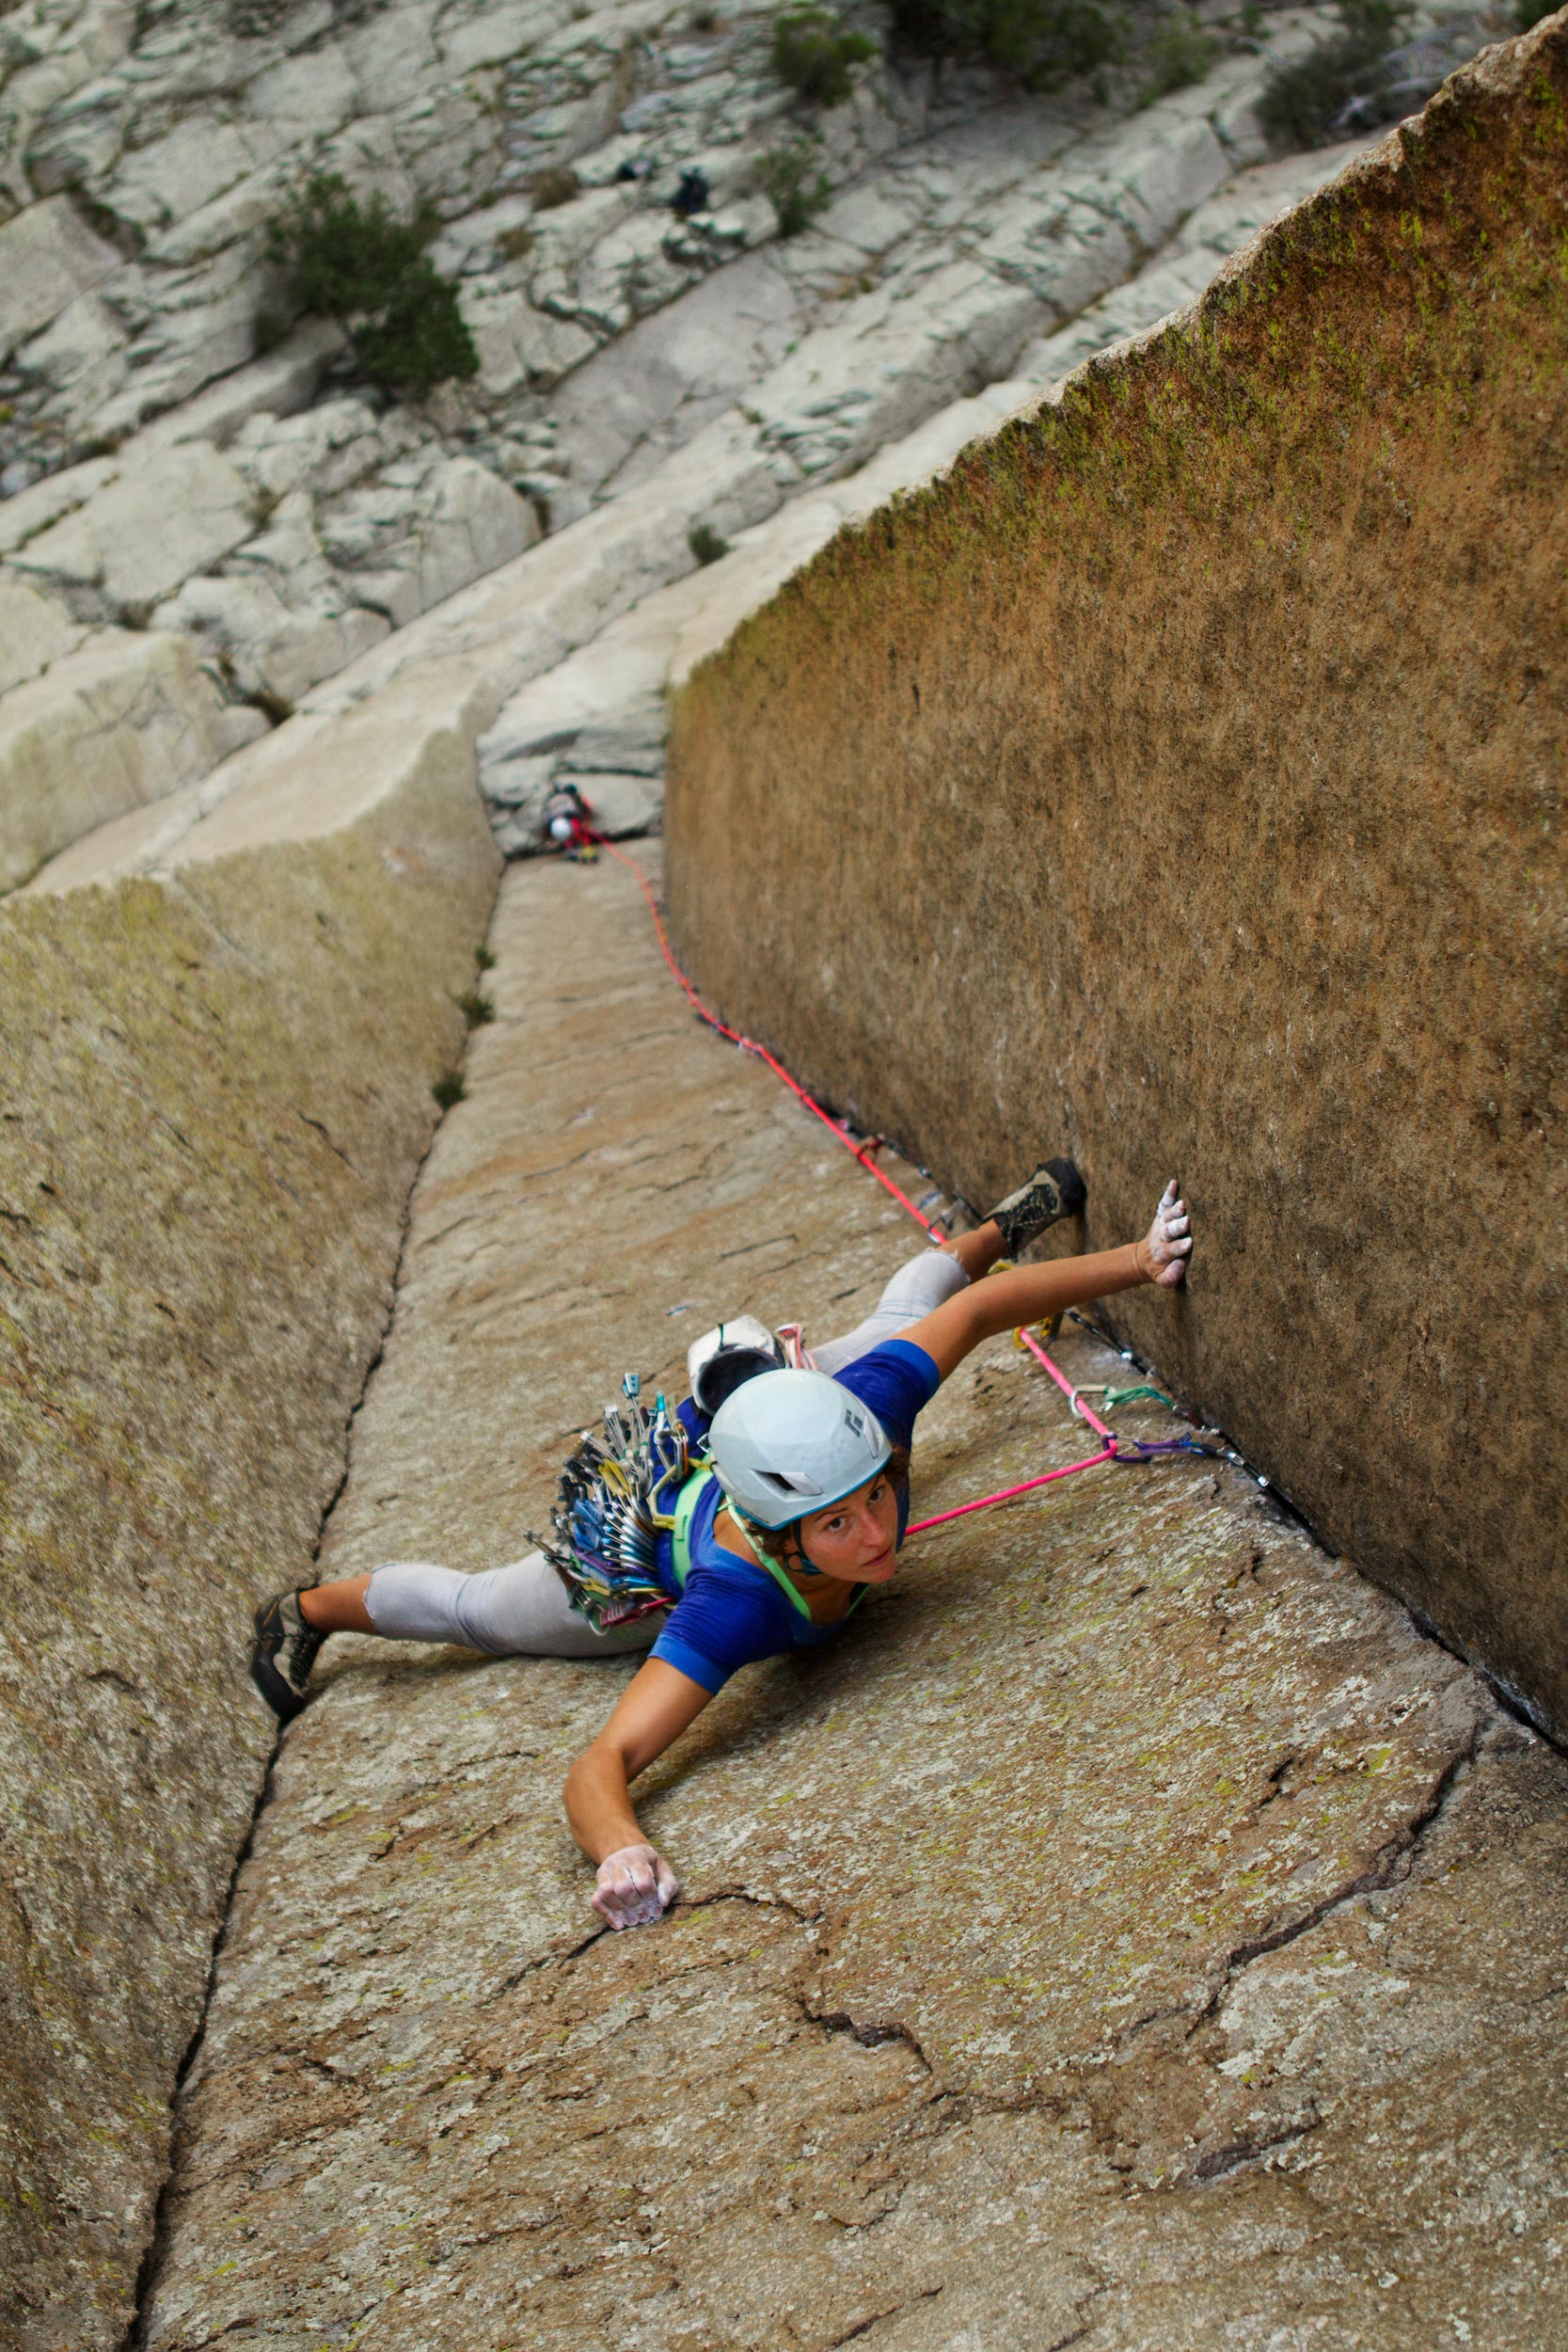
898 1380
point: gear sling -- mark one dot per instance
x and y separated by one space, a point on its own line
645 1478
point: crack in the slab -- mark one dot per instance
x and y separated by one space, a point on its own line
136 2331
875 2319
1383 1871
749 1248
559 1956
1061 2343
736 1894
683 1176
870 2034
305 1117
1277 1792
1220 2162
462 1775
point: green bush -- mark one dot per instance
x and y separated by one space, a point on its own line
706 542
812 54
1043 42
1180 53
785 177
419 339
1300 101
355 263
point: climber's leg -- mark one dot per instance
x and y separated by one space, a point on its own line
520 1609
915 1290
1053 1191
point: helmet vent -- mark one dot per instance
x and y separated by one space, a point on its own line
789 1483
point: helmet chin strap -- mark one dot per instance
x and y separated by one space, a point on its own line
753 1528
809 1566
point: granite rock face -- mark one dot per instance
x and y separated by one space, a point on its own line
1132 1932
217 1091
253 616
1189 760
177 454
127 718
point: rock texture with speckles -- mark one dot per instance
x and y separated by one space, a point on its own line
1132 1932
1194 750
217 1092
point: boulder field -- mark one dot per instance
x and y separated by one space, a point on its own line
210 520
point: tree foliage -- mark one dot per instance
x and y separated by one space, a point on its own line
1303 102
1180 53
1043 41
812 53
793 184
357 263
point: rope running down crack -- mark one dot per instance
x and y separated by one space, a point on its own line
1114 1449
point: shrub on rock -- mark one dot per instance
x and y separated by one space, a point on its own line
359 265
1336 88
786 176
812 53
1043 41
1179 53
550 189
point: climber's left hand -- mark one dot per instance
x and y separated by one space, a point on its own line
1165 1249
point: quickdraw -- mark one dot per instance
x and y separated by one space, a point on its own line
619 1492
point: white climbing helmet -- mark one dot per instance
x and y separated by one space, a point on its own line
791 1443
732 1352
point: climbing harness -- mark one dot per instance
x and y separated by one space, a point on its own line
680 1532
569 821
1112 1448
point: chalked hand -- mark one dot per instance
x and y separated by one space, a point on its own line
636 1886
1164 1252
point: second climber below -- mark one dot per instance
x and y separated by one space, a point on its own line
751 1524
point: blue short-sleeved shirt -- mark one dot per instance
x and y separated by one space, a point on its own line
731 1613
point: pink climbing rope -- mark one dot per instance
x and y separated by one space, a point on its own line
1110 1450
1091 1461
1074 1400
748 1046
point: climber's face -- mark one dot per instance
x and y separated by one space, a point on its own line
856 1540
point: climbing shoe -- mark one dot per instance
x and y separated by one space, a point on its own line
1053 1191
284 1654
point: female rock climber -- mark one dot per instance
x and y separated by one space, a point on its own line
767 1544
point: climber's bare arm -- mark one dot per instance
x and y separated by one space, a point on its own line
636 1884
1033 1293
